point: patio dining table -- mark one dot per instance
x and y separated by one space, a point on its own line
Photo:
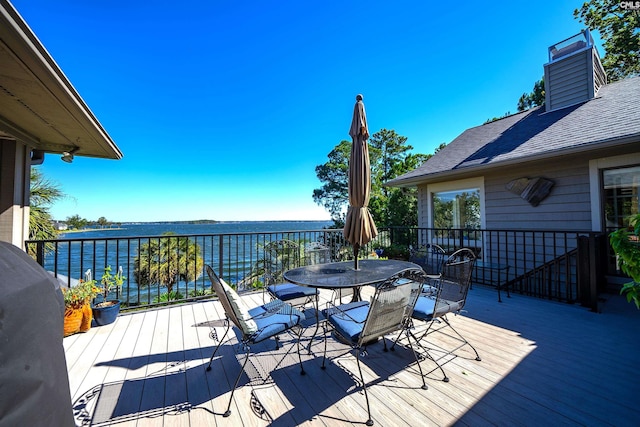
343 275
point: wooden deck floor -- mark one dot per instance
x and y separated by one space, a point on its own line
543 363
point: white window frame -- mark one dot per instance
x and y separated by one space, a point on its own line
595 182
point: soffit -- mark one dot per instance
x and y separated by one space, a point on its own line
38 104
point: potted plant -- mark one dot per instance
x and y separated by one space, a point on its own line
77 314
105 311
626 245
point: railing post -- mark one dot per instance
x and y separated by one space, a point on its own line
221 255
593 272
587 271
40 252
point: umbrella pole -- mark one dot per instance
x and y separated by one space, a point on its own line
356 249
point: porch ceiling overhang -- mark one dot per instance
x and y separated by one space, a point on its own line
38 104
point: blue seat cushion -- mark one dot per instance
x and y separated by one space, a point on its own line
348 319
273 318
424 308
289 291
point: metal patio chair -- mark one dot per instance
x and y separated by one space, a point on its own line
451 296
256 324
360 323
316 253
430 257
280 256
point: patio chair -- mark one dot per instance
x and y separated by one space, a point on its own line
282 255
256 324
360 323
316 253
430 257
450 297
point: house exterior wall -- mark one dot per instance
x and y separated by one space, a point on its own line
14 192
567 208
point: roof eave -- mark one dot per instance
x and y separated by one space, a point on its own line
584 148
73 126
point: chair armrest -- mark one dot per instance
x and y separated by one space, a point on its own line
278 307
272 307
431 285
335 310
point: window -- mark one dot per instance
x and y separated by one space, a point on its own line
602 174
621 190
455 214
456 209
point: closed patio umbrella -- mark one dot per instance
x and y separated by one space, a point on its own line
359 227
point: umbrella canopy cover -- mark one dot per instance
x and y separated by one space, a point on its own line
359 226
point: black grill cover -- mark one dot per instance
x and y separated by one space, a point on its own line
34 384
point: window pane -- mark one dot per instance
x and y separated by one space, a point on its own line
621 187
457 209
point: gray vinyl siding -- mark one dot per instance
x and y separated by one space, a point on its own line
569 81
423 207
566 208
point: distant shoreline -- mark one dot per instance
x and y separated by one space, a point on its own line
90 229
200 221
123 225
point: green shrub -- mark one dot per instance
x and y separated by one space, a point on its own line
626 245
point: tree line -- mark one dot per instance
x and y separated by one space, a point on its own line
390 156
76 222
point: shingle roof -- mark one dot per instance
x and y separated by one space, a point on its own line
612 116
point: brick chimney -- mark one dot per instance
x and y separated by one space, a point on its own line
574 73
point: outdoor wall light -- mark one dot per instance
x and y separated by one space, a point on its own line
67 156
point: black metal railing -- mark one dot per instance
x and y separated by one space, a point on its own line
239 259
548 264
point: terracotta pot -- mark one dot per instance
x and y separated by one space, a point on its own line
72 320
85 325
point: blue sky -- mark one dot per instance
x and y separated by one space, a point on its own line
223 109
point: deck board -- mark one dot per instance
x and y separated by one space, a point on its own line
543 363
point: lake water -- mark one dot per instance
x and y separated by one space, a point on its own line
231 227
75 257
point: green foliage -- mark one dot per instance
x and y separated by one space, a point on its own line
334 193
169 296
43 194
81 294
396 251
280 256
200 292
111 282
626 246
619 29
390 157
533 99
167 260
76 222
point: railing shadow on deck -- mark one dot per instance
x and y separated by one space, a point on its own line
340 379
179 382
144 396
